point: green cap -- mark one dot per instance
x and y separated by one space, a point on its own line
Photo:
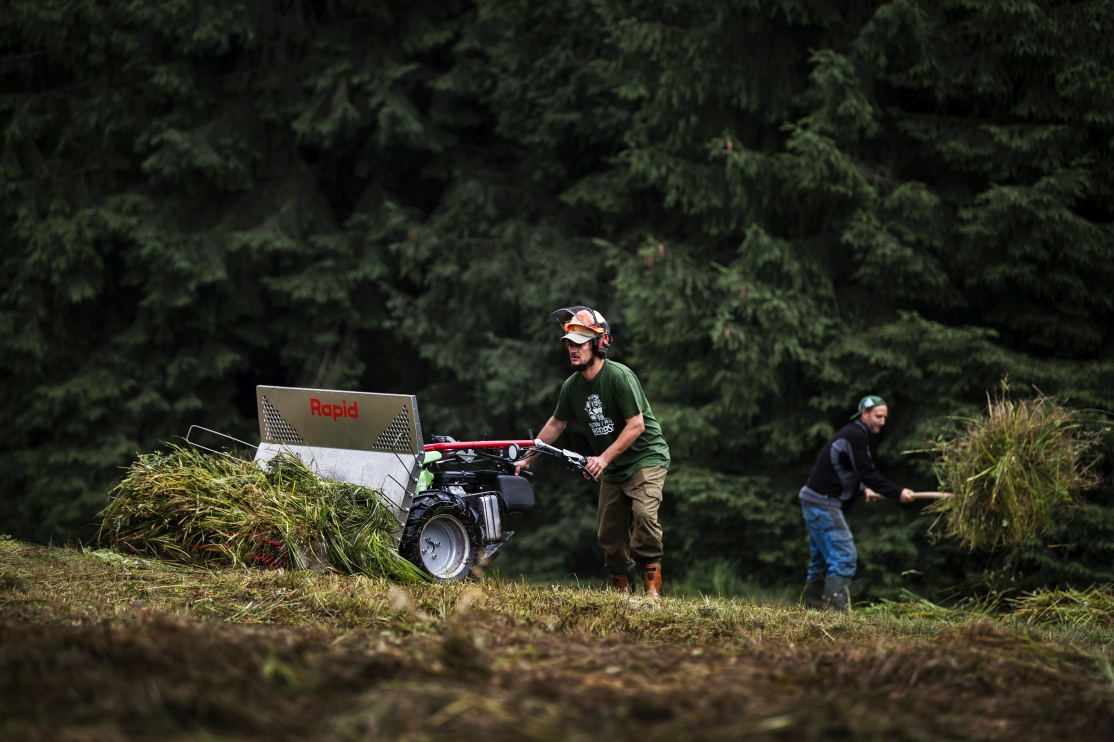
870 400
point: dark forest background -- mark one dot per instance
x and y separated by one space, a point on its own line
780 206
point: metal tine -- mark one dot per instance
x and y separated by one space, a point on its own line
210 450
396 482
401 522
409 473
214 432
410 468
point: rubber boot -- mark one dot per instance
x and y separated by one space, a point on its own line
651 579
622 578
837 592
813 596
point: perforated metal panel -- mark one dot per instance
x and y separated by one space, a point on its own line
397 435
277 429
331 418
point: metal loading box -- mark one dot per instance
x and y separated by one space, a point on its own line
373 440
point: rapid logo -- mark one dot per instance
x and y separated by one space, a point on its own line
334 411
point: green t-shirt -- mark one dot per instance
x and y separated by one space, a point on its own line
602 406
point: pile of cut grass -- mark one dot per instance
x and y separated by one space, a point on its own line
199 508
1011 471
1093 607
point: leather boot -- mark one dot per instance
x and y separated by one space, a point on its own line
622 578
837 592
651 579
813 596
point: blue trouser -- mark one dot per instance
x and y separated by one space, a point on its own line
830 543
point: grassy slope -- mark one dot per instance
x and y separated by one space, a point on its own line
96 646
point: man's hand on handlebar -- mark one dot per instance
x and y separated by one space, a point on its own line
520 466
590 467
594 466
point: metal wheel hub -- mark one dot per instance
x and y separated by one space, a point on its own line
444 546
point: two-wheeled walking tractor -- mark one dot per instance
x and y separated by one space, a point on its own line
450 498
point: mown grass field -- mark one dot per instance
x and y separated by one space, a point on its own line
96 646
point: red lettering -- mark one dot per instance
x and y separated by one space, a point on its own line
335 411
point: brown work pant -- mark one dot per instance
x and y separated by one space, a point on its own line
628 517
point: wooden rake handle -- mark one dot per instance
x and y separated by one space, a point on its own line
916 496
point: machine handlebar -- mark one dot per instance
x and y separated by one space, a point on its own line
572 459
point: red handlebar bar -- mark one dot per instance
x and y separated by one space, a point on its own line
469 445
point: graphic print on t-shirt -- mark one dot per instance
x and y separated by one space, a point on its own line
600 425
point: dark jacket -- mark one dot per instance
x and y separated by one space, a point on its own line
843 468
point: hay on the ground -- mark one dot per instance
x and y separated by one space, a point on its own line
1091 607
194 507
1011 471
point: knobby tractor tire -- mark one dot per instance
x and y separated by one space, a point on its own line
442 537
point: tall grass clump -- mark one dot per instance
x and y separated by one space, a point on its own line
199 508
1011 471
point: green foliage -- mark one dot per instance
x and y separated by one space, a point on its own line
810 205
177 178
781 206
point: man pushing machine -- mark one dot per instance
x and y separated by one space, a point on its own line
631 458
843 470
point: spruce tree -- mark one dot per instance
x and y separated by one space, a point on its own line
780 206
184 216
817 202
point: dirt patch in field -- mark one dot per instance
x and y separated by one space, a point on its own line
140 677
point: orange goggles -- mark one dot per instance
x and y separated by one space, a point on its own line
577 327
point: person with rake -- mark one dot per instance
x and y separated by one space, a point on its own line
632 457
843 469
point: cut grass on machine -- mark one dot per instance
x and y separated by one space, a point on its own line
194 507
1011 470
340 480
